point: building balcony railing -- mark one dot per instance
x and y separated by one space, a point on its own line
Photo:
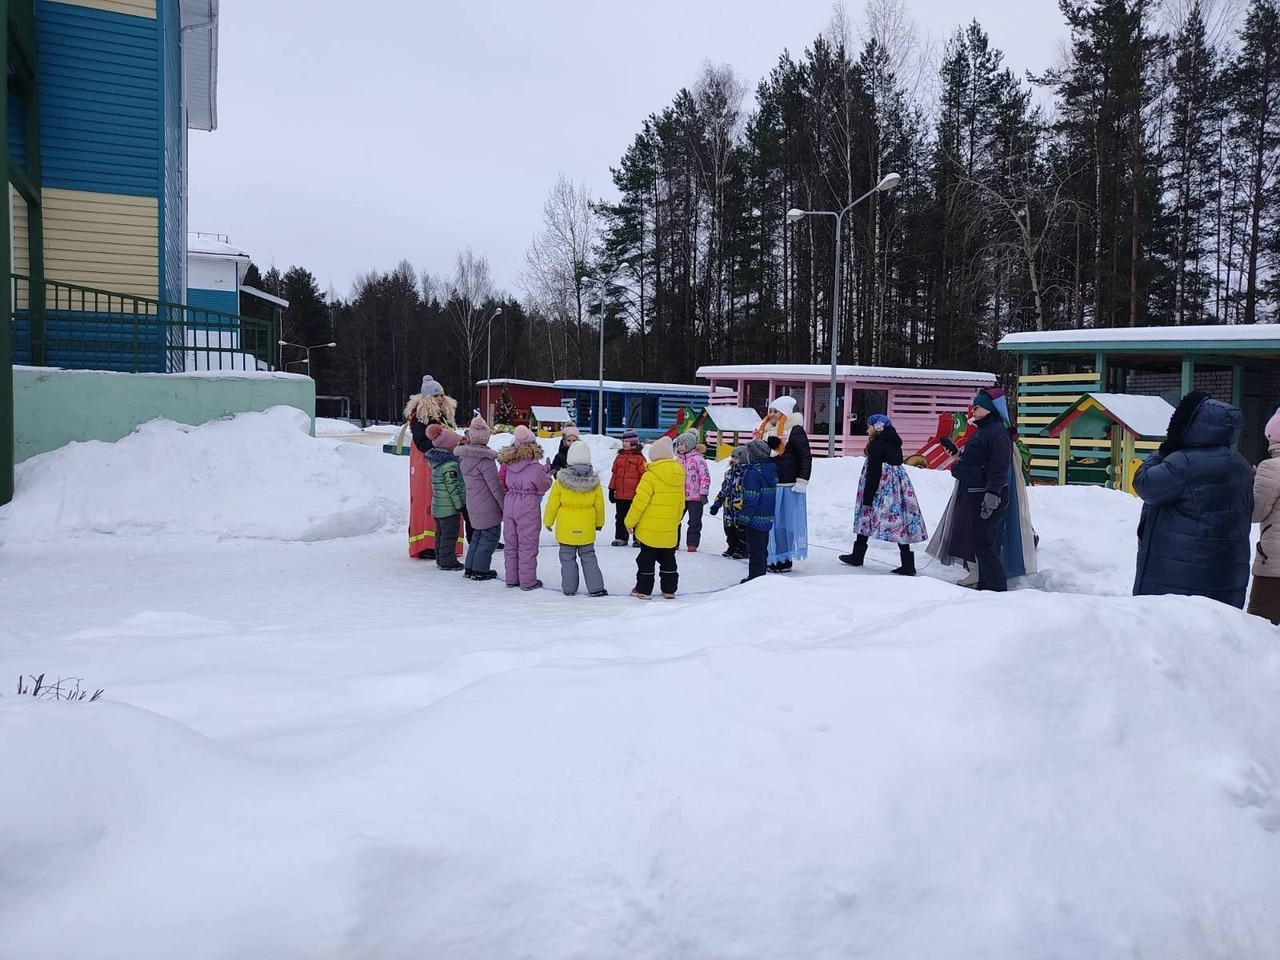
60 324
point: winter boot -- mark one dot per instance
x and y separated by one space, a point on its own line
908 568
618 543
970 578
859 553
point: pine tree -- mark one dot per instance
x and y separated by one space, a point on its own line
1253 93
1191 168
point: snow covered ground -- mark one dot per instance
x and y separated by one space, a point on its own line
311 746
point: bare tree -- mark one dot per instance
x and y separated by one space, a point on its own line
467 294
557 264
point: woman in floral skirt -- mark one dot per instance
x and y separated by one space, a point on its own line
888 508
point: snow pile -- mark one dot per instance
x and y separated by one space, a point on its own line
828 767
332 427
323 749
255 475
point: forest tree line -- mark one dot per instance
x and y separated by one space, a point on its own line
1135 183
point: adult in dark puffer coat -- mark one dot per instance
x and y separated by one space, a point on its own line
1197 506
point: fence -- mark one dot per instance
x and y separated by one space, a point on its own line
64 325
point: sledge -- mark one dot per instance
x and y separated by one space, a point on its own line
933 455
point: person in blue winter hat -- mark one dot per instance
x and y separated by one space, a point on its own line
887 505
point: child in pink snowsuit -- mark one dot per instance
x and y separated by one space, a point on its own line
526 479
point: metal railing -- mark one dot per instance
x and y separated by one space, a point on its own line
60 324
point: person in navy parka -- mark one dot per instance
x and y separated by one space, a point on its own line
1197 506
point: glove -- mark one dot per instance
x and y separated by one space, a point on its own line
801 485
612 498
775 442
949 445
715 508
990 504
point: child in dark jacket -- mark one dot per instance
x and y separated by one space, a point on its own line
759 492
568 437
628 468
448 494
729 499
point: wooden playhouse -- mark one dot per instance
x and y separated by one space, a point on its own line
1123 430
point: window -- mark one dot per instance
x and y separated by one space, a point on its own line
865 403
644 413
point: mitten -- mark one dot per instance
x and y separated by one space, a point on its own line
715 508
949 445
775 442
801 485
612 498
990 504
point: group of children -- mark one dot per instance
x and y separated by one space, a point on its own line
652 497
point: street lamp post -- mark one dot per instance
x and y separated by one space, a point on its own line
314 346
889 181
488 364
601 427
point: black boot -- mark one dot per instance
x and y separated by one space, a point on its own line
908 568
859 552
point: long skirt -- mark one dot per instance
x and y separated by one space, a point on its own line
894 514
953 536
422 526
1017 548
789 538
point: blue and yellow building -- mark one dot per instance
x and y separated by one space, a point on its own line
100 97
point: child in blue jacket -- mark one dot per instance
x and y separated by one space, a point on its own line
729 499
759 491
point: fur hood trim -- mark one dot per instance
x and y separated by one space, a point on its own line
572 478
517 452
432 409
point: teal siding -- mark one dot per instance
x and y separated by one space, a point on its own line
100 116
173 221
223 301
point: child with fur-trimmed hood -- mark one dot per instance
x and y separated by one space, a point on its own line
575 510
485 496
448 494
525 478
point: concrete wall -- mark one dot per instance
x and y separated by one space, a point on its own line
53 407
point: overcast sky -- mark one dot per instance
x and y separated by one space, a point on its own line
354 135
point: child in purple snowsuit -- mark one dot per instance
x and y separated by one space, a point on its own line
526 479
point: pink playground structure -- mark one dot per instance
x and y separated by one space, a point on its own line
913 399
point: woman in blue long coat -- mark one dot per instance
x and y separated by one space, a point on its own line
1197 506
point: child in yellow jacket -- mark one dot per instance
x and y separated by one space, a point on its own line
654 520
575 509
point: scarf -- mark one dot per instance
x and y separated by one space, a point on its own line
781 432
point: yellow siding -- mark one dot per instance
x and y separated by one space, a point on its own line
135 8
21 250
103 240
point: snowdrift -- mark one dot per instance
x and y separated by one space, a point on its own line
255 475
828 768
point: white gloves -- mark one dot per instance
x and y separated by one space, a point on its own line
801 485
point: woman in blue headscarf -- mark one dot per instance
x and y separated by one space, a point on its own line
887 504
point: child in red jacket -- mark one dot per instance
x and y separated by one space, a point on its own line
628 468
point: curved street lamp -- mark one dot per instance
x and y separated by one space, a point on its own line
314 346
795 215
